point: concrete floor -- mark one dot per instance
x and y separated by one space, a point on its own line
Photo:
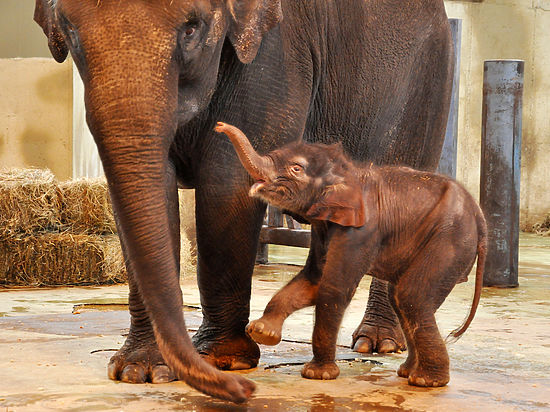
55 345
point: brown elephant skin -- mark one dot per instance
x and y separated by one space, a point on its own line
416 230
159 74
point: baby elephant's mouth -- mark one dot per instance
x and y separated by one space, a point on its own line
257 187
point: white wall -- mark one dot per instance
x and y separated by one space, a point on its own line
86 162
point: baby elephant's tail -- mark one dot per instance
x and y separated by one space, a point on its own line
481 255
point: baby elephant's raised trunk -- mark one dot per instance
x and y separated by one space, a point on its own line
257 166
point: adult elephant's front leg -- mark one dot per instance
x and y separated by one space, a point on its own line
139 360
379 331
228 225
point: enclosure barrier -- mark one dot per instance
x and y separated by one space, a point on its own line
447 162
273 232
500 168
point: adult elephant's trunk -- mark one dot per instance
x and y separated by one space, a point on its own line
259 167
133 119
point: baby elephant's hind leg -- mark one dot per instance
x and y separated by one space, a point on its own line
420 290
427 363
411 361
415 297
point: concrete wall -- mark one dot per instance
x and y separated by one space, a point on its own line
36 99
42 116
20 35
36 104
507 29
86 162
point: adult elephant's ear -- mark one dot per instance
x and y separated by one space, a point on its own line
341 203
251 19
44 16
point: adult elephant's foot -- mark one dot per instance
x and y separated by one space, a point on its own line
265 331
139 362
369 338
320 370
379 331
234 352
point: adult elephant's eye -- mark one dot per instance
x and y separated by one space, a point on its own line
190 31
189 37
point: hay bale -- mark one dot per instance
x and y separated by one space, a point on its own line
86 206
114 268
61 259
188 232
29 201
64 233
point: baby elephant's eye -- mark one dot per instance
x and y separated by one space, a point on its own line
296 169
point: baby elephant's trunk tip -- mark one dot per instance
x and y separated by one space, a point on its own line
220 126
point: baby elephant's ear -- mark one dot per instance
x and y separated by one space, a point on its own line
341 204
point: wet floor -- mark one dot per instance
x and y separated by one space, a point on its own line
55 345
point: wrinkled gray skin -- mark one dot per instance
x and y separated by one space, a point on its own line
416 230
159 74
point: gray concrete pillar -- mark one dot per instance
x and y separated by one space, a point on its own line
447 162
500 168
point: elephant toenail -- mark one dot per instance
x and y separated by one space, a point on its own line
310 374
363 345
133 374
162 374
326 376
112 370
237 365
387 346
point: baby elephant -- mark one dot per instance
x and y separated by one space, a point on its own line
418 231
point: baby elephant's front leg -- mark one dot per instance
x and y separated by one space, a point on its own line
333 298
297 294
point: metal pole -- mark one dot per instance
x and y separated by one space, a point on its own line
500 168
447 162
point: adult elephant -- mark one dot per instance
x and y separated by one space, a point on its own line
159 74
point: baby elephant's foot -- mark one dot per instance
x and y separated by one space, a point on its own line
419 377
324 371
264 331
405 369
